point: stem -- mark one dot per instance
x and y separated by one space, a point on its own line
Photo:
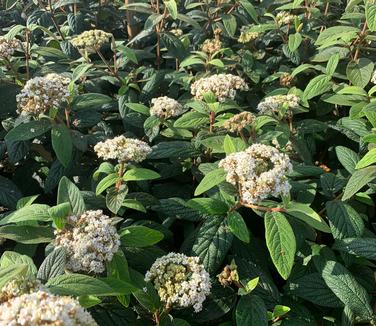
53 18
359 39
112 71
120 174
27 47
241 133
67 118
211 121
263 208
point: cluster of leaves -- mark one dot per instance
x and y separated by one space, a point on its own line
305 261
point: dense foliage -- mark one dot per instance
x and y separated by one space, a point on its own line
187 163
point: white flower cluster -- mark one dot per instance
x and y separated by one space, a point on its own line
8 47
180 281
42 93
123 149
176 31
373 79
239 121
248 36
284 18
210 46
92 40
19 286
165 107
258 172
90 241
44 309
272 104
223 86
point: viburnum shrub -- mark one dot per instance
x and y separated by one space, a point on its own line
187 163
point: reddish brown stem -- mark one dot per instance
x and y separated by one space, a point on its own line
211 121
264 208
120 174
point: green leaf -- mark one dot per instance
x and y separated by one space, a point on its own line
250 9
307 215
208 206
79 284
28 130
130 54
237 226
347 289
9 193
27 234
311 287
90 100
115 198
69 193
228 145
191 60
34 212
62 143
280 240
358 180
368 159
363 247
217 63
172 8
347 157
134 204
360 72
191 120
332 64
317 86
371 15
294 41
212 242
12 272
139 236
345 222
210 180
138 174
106 182
12 258
53 265
251 311
229 21
173 150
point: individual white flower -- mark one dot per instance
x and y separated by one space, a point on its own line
180 281
44 309
223 86
8 47
91 41
239 121
258 172
165 107
19 286
272 104
123 149
42 93
90 241
284 18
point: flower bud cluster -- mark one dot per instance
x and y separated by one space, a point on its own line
92 40
123 149
90 241
284 18
42 93
210 46
44 309
8 47
176 31
180 281
17 287
229 275
286 80
272 104
258 172
239 121
165 107
247 36
223 86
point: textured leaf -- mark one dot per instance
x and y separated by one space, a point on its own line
210 180
358 180
363 247
280 240
53 265
212 242
294 41
237 226
11 258
9 193
68 192
344 221
360 72
347 289
368 159
347 157
137 174
251 311
28 130
27 234
317 86
115 198
140 236
34 212
62 143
